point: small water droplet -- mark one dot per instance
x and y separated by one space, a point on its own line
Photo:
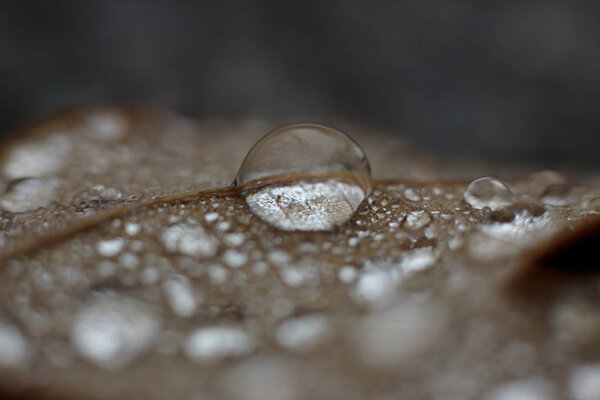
556 195
132 229
234 258
416 220
210 217
306 177
106 126
234 239
592 203
303 333
110 247
412 194
41 158
13 346
190 239
213 343
417 260
374 286
584 383
180 296
488 192
111 331
539 181
347 274
530 388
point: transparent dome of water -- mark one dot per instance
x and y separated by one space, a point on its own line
304 177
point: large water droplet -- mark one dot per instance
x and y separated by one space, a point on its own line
306 177
488 192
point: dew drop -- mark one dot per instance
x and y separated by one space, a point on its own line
305 177
13 347
488 192
26 194
110 247
530 388
111 331
234 258
592 203
584 383
302 333
213 343
416 220
189 239
180 296
347 274
412 194
42 158
556 195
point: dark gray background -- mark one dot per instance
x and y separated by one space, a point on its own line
503 80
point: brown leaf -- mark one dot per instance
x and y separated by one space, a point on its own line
143 276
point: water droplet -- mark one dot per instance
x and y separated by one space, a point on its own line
13 347
303 333
234 258
412 194
556 195
210 217
128 260
416 220
306 177
584 383
488 192
374 286
347 274
110 247
279 257
217 274
28 194
527 389
106 126
417 260
132 229
42 158
190 239
111 331
234 239
213 343
592 203
180 296
296 276
539 181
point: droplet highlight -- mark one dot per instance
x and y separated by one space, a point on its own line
305 177
488 192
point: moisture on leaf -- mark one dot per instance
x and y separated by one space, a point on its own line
132 269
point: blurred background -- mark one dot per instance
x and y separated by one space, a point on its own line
502 81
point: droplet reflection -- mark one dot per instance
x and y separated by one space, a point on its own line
306 177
